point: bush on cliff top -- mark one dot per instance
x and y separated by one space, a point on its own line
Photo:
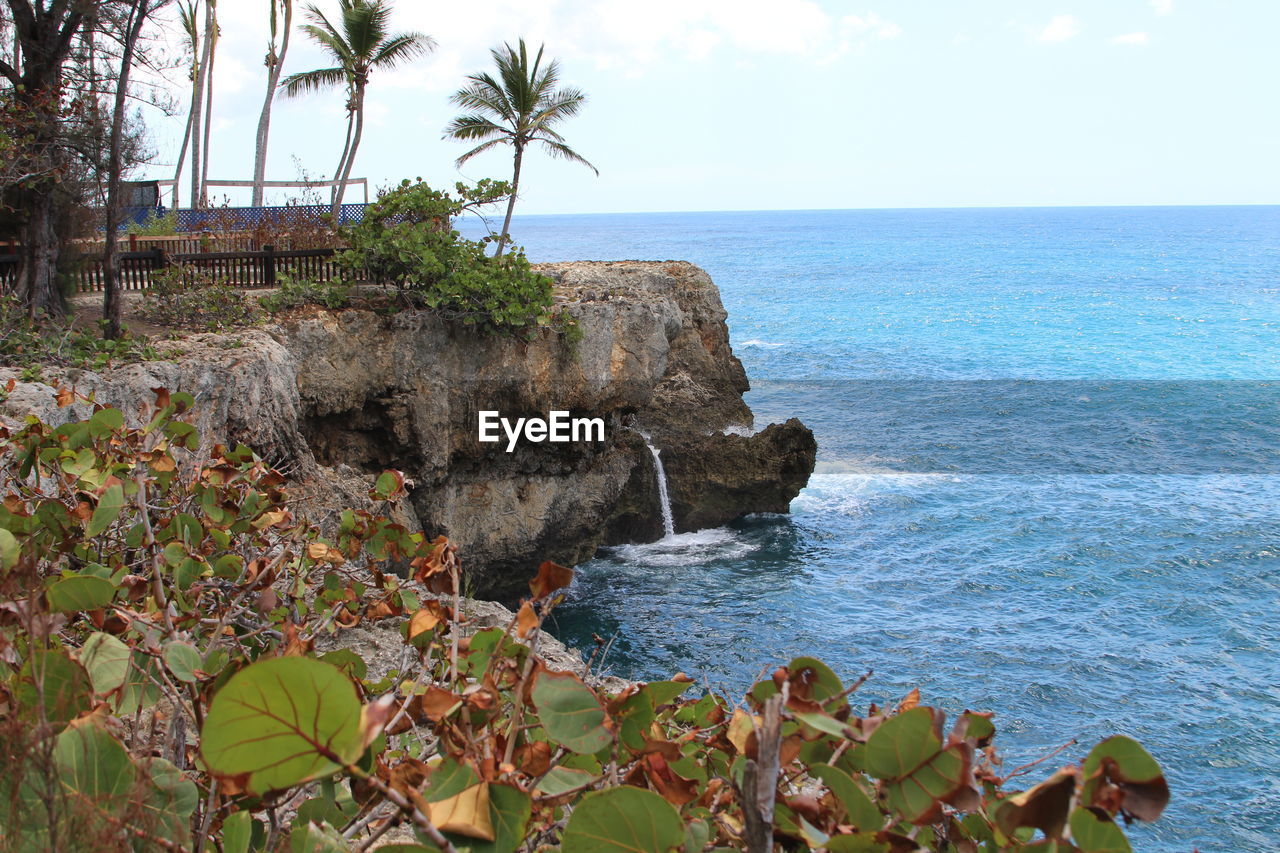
406 239
161 690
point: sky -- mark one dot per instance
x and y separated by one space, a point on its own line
803 104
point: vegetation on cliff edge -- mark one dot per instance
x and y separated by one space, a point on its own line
160 689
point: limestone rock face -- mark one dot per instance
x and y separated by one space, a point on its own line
335 397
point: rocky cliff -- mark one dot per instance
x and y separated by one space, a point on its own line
336 396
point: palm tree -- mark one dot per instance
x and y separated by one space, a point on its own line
360 44
188 14
518 108
275 64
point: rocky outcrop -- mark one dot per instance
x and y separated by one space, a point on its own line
337 396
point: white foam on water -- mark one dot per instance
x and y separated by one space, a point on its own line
683 549
755 342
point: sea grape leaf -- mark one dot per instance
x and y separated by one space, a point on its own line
140 689
858 807
237 832
448 779
623 819
282 721
107 661
465 813
312 837
571 713
857 843
1097 834
1045 807
509 811
60 682
813 680
183 661
919 774
558 780
1120 775
94 768
169 801
108 508
10 550
550 578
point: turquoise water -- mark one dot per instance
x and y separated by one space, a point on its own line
1049 448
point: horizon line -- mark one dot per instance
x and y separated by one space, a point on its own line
905 208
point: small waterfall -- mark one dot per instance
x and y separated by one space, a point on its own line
668 520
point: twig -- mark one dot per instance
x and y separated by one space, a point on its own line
1019 771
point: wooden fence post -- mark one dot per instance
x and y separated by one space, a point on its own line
269 265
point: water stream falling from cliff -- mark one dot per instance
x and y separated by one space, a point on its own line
668 520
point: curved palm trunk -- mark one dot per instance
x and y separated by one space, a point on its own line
264 121
212 36
511 202
351 155
342 161
182 153
197 113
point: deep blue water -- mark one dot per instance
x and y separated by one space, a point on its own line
1049 442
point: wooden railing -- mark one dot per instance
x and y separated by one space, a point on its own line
260 268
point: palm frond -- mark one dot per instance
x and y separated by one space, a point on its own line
480 149
313 81
333 42
564 152
402 47
473 127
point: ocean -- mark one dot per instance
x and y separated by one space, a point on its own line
1048 480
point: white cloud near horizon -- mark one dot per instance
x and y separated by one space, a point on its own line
1060 29
1137 39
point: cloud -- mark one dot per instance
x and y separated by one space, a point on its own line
852 26
1060 29
1131 38
1162 7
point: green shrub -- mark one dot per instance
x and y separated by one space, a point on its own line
190 298
406 240
159 684
165 225
30 345
294 293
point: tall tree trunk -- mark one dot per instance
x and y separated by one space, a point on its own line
40 264
264 121
346 149
351 154
110 256
511 202
211 19
197 111
182 152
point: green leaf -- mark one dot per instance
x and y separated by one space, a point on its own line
858 807
561 779
57 680
10 550
1094 834
108 508
237 832
316 838
623 819
906 752
570 712
140 689
859 843
1121 761
183 660
94 769
282 721
823 723
509 810
448 780
107 661
813 679
79 592
167 805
